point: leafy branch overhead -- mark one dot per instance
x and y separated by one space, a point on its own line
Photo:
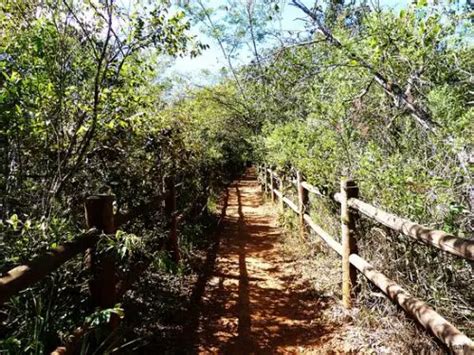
95 100
389 85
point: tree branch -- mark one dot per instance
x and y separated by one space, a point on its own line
389 86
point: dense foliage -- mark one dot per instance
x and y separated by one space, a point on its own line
326 114
82 112
382 96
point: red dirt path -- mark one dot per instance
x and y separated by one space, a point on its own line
253 301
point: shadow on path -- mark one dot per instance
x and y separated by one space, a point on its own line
253 302
191 325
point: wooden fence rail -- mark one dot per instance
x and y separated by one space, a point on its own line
439 239
105 288
24 276
455 340
436 238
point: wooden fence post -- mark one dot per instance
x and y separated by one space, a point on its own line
170 211
349 189
265 177
303 199
100 215
282 204
272 185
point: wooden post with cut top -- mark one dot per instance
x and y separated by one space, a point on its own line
282 204
265 178
303 199
100 215
349 190
272 185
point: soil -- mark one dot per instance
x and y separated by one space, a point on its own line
254 300
259 289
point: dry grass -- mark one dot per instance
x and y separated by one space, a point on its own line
375 325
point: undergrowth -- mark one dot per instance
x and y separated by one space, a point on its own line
374 324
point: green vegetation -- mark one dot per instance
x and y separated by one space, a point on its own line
384 97
83 111
328 117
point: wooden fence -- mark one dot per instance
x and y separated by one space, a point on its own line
105 287
455 340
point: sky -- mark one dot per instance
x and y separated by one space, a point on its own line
212 59
206 67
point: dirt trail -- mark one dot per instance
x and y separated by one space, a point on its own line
254 301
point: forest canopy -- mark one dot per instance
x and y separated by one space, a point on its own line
382 95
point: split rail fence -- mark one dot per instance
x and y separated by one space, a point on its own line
447 333
105 286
